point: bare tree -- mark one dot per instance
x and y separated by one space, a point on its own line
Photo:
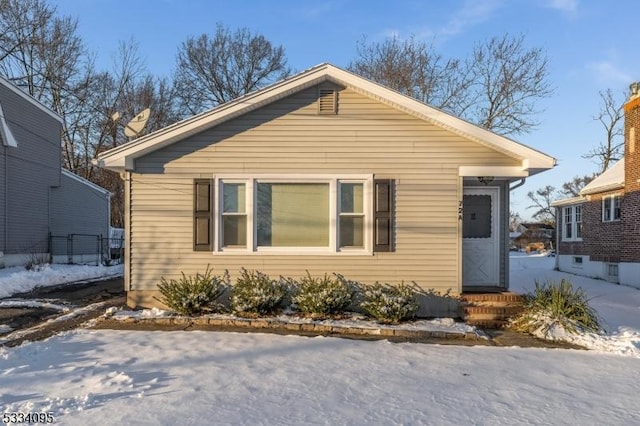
573 187
415 69
42 54
611 118
541 201
510 79
213 70
496 88
514 221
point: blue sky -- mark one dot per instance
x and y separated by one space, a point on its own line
592 45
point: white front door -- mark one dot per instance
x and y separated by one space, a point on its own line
480 236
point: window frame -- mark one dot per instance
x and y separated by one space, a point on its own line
333 180
615 205
571 212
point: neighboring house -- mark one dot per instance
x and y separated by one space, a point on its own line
37 197
599 231
536 232
323 172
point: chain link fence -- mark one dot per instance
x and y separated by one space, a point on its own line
86 249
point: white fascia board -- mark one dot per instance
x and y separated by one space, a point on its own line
536 159
24 95
7 136
86 182
495 171
568 201
114 158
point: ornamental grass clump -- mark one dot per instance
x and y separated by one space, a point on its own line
194 295
389 304
321 297
256 294
553 305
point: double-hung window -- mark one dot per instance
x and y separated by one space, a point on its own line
611 208
572 223
294 215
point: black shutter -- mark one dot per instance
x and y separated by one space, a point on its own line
383 215
203 215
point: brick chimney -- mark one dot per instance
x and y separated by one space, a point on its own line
631 133
630 213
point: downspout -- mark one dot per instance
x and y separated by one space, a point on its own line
518 185
558 231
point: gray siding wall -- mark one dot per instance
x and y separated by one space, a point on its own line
77 208
3 198
31 169
288 136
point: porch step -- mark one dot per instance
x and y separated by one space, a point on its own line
490 310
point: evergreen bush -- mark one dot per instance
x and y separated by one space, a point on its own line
256 293
552 304
324 296
389 304
193 295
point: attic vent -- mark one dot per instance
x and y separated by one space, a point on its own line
327 101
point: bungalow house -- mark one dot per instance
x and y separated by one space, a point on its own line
37 197
326 172
599 231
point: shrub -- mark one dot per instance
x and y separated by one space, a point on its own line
556 304
256 293
193 295
322 296
389 304
36 261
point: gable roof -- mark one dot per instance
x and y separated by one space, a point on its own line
123 157
611 179
86 182
27 97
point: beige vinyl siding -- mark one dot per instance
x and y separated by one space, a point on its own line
289 136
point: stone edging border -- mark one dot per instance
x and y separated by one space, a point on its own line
246 324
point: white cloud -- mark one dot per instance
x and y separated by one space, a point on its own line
472 13
609 74
569 6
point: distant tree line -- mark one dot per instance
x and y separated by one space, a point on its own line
497 86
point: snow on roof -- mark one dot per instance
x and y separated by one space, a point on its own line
611 179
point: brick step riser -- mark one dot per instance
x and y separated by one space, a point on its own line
491 304
488 297
477 317
511 310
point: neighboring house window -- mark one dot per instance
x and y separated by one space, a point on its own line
612 269
577 260
611 208
572 223
297 215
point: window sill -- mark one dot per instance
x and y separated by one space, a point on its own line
292 252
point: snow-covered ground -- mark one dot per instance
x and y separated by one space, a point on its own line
618 306
18 280
145 377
